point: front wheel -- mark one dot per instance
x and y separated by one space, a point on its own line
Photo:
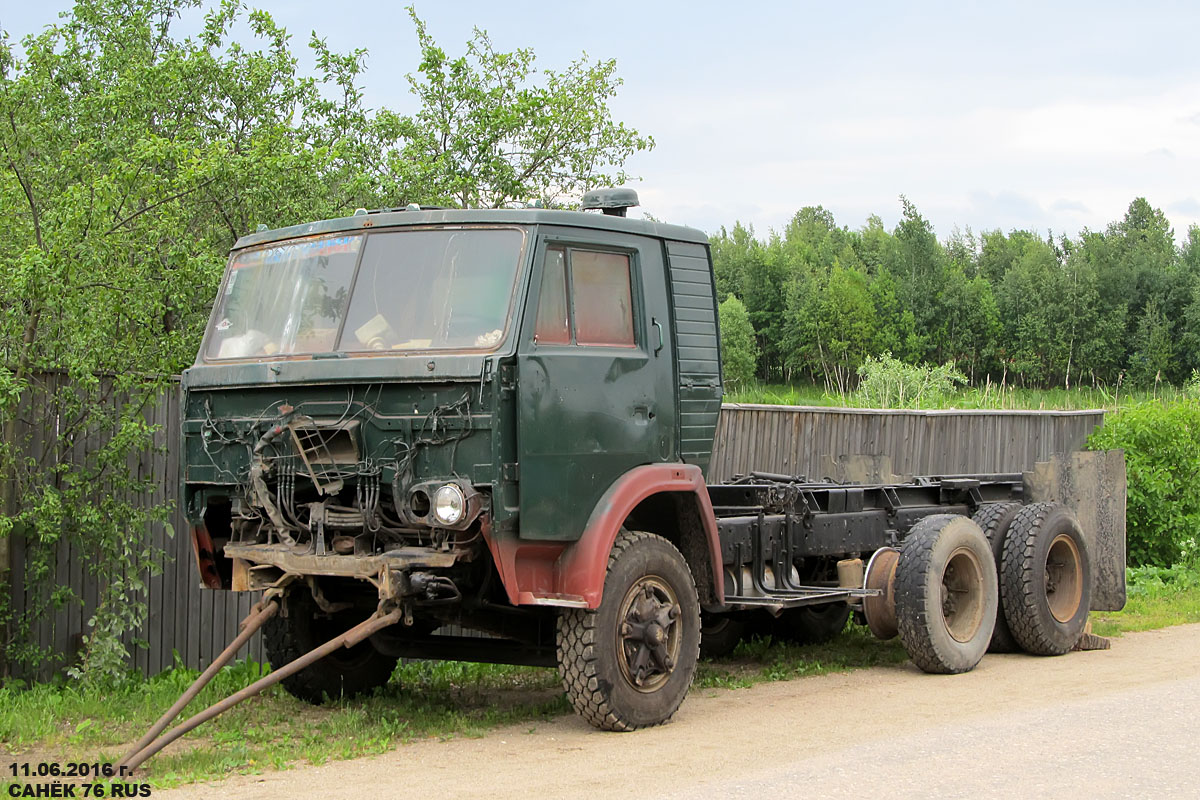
302 627
629 663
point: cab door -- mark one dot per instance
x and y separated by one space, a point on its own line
595 394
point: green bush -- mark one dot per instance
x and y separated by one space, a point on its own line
888 382
1162 457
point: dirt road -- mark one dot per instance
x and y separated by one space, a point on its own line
1118 723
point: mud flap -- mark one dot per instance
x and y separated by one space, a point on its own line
1092 485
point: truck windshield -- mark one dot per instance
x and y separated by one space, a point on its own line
387 291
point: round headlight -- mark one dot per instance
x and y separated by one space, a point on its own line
449 505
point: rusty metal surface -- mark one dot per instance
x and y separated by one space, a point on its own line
373 624
283 556
880 609
262 611
1092 485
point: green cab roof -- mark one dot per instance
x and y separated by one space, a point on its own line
456 216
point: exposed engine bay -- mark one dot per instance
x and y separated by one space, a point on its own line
325 490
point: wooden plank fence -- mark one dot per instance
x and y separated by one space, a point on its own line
196 623
810 440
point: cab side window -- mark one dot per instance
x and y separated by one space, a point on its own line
586 298
553 320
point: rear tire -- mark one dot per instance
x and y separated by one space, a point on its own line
814 624
946 594
629 663
1047 579
995 519
301 626
720 634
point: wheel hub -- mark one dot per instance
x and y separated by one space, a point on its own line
962 594
650 635
1064 578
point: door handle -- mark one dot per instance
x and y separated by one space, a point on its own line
659 326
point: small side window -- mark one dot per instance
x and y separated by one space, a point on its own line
602 299
586 298
553 326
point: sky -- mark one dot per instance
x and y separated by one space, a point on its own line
1042 116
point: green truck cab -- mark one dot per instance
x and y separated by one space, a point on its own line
498 421
456 411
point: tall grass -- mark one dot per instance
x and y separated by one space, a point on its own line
987 396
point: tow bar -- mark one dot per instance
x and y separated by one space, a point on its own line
262 611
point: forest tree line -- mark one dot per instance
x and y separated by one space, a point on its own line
1105 308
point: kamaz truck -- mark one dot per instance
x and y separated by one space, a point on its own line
498 422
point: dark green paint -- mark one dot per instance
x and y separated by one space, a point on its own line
697 340
501 216
590 414
550 427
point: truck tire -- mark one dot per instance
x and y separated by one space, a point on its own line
300 627
719 634
995 519
629 663
946 594
1047 579
815 624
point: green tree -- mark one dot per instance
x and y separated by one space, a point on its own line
732 254
1189 320
920 266
998 253
739 351
896 327
874 246
130 161
1030 296
831 326
763 283
972 322
1153 347
486 134
1136 261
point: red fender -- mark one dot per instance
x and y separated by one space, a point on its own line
582 567
205 553
572 574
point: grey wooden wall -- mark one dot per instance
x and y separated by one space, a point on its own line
807 440
197 623
181 616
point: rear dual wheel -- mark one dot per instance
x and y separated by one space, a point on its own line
995 519
1046 579
815 624
946 594
953 587
1045 576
